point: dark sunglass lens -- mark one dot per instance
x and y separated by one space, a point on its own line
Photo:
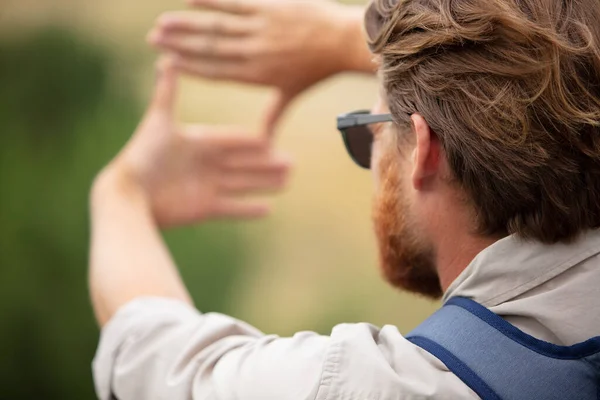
359 141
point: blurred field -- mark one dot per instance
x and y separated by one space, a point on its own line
310 265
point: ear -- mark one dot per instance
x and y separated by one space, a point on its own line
427 153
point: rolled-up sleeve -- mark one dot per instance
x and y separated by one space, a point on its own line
156 348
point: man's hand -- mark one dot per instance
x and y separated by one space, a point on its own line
289 45
167 175
191 173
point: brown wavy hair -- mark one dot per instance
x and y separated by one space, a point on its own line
512 90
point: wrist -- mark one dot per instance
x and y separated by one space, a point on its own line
353 50
115 183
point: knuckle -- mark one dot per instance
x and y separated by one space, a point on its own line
213 24
218 26
209 46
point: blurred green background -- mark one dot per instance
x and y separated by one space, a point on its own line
73 81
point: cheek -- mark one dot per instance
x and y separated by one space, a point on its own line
384 146
375 161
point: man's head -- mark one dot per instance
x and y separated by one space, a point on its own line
496 108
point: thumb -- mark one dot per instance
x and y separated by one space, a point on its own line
165 90
275 111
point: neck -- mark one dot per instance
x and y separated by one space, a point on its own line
456 248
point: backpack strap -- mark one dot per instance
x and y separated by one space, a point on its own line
499 361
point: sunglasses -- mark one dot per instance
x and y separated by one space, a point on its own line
358 137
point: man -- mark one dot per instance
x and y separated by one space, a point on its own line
487 180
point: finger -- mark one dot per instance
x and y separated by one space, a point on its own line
214 24
235 208
256 163
226 139
278 104
198 45
218 69
165 91
249 183
228 6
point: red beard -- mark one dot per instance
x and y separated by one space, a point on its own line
407 262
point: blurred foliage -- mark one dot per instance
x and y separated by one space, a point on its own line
61 119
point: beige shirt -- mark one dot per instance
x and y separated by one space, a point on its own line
163 349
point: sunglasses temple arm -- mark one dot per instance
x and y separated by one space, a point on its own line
373 119
348 121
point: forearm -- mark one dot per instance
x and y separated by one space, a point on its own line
128 257
355 53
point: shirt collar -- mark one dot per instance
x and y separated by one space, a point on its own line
512 266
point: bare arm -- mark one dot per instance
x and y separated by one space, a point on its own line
168 176
128 256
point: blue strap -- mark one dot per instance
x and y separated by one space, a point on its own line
459 368
499 361
574 352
